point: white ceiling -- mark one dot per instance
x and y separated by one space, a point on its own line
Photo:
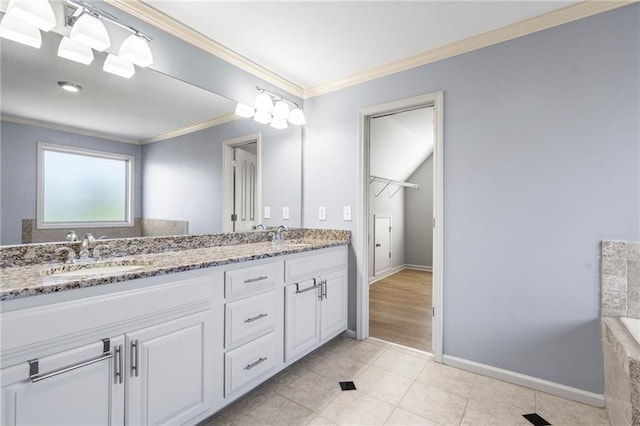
311 43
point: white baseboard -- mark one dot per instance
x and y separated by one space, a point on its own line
557 389
398 269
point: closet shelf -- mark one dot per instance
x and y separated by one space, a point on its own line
389 182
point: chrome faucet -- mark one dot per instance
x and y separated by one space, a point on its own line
84 246
71 254
260 227
279 234
97 251
72 236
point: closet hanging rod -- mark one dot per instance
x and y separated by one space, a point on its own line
393 182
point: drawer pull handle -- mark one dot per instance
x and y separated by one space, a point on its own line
256 318
35 375
254 364
315 285
253 280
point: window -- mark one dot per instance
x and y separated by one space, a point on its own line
83 188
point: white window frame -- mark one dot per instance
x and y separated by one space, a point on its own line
130 169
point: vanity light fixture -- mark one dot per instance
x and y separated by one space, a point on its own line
70 87
118 66
37 13
74 51
136 50
272 108
16 30
91 32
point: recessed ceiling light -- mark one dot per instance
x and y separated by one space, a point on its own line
70 87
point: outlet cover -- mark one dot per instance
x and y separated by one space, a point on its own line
322 213
267 212
346 213
285 213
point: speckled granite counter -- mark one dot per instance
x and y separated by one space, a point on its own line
23 281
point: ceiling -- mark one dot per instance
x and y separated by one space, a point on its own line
314 43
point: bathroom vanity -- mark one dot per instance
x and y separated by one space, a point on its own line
171 338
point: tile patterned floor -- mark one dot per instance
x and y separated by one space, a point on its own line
395 386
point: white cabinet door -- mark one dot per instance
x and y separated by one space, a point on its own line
85 392
169 369
333 315
302 317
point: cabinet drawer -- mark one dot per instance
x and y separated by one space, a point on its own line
244 364
250 317
315 263
249 280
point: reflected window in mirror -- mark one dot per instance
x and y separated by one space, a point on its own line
84 188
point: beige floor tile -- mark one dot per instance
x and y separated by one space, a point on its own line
447 378
498 413
497 391
560 411
216 420
339 368
362 350
320 421
401 417
383 384
278 411
357 408
411 351
245 403
401 362
282 379
312 391
434 404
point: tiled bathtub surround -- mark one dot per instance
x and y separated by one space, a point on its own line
622 373
620 279
35 254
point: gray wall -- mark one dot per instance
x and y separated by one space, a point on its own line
541 162
418 215
183 176
18 145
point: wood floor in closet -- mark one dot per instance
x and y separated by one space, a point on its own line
400 309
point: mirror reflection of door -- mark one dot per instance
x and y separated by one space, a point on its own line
382 244
245 159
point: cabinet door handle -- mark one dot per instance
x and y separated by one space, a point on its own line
254 364
135 369
253 280
324 287
118 363
256 318
315 285
36 377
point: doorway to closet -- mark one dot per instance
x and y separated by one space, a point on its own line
400 249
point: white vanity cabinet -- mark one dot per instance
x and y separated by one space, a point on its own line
315 300
157 366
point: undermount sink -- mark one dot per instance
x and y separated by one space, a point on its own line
294 243
95 268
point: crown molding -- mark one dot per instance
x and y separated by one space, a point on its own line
190 129
64 128
510 32
160 20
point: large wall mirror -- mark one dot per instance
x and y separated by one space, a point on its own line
185 142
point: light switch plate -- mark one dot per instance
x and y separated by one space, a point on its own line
322 213
285 213
346 212
267 212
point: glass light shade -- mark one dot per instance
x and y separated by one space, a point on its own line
74 51
244 110
262 117
297 117
281 110
38 13
263 103
118 66
279 123
91 32
19 31
136 50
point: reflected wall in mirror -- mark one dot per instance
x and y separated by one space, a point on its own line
174 131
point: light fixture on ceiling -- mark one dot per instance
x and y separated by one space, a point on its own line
118 66
70 87
91 32
136 50
272 108
38 13
16 30
74 51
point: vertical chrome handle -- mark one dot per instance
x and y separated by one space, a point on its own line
324 287
135 369
118 364
319 285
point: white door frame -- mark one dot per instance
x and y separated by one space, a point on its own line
361 237
227 176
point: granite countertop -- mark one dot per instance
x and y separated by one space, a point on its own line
24 281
